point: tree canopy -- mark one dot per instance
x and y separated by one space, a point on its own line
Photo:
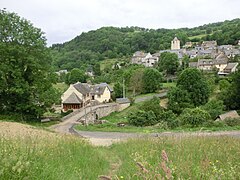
168 63
25 63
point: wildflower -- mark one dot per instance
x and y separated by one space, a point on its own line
164 156
121 177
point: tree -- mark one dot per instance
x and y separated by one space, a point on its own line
136 81
194 117
231 95
25 79
214 108
76 75
168 63
193 81
142 118
178 99
96 69
152 79
118 90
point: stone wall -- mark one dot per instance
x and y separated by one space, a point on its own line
97 113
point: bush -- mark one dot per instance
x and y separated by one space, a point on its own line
142 118
232 121
194 117
214 124
214 108
170 118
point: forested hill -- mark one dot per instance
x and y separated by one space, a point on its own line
113 42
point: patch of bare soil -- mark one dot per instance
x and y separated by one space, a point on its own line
13 129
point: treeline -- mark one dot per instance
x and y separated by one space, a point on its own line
113 42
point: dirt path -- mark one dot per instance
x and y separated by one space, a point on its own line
108 138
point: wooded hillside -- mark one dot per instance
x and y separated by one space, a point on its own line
113 42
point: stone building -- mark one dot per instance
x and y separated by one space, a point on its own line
175 44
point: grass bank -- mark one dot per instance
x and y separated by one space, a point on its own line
30 153
185 158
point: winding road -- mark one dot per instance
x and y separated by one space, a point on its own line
107 138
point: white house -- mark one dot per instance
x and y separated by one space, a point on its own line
79 95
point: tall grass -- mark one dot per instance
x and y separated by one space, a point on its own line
189 158
49 157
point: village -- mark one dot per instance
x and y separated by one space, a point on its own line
207 56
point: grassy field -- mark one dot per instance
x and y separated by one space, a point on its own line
185 158
29 153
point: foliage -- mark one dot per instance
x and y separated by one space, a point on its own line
214 108
152 105
170 118
231 95
136 82
76 75
109 42
168 63
192 81
178 99
142 118
25 64
194 117
232 121
152 79
118 90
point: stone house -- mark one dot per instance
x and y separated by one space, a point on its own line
209 45
79 95
145 59
230 68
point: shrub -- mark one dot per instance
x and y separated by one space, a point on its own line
152 105
232 121
194 117
170 118
214 124
214 108
142 118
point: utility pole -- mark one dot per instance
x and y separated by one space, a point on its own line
124 93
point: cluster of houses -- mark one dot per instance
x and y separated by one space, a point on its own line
209 56
79 95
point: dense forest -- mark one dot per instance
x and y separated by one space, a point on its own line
113 42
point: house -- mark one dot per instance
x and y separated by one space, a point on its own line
230 114
145 59
188 44
101 92
209 45
79 95
139 56
221 62
230 68
206 64
175 44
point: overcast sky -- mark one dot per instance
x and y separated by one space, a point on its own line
62 20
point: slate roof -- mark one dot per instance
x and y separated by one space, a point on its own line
73 99
230 66
205 62
83 88
193 64
99 88
230 114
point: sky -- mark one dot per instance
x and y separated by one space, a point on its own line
62 20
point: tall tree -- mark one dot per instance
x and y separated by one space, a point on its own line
76 75
152 79
136 81
168 63
193 81
25 79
